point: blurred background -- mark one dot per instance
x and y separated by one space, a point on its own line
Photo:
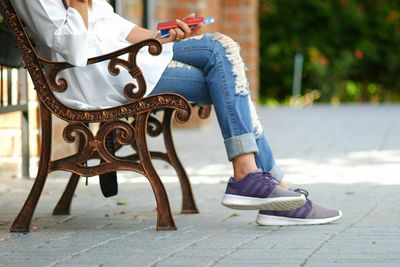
349 50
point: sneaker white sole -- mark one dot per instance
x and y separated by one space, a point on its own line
252 203
278 220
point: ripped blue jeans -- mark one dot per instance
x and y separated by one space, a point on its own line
208 69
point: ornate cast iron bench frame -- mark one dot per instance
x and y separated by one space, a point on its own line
131 132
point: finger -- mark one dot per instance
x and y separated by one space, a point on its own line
172 35
190 16
184 28
179 34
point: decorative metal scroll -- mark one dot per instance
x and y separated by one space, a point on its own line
95 148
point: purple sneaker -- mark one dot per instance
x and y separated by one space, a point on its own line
258 191
310 213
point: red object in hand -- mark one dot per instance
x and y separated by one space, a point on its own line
191 22
164 27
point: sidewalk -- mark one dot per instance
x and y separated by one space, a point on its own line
347 157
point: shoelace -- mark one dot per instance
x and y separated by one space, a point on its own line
302 191
298 190
269 175
263 175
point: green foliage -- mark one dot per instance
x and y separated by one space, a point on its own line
351 48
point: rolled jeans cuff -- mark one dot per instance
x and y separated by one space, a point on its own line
277 173
239 145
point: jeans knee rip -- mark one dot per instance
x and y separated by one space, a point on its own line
238 67
177 64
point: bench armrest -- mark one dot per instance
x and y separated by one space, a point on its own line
52 69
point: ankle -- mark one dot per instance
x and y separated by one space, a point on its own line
243 165
240 174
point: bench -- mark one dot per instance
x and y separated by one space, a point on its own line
125 125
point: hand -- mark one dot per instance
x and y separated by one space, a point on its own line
195 30
183 31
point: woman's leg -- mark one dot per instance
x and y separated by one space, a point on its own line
225 86
209 69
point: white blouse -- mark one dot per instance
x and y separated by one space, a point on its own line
61 35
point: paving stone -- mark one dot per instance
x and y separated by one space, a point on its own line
347 157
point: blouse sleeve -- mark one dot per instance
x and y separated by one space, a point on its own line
70 39
63 31
105 11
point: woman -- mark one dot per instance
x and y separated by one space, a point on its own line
204 69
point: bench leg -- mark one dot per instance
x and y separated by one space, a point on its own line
165 221
188 202
63 206
22 222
